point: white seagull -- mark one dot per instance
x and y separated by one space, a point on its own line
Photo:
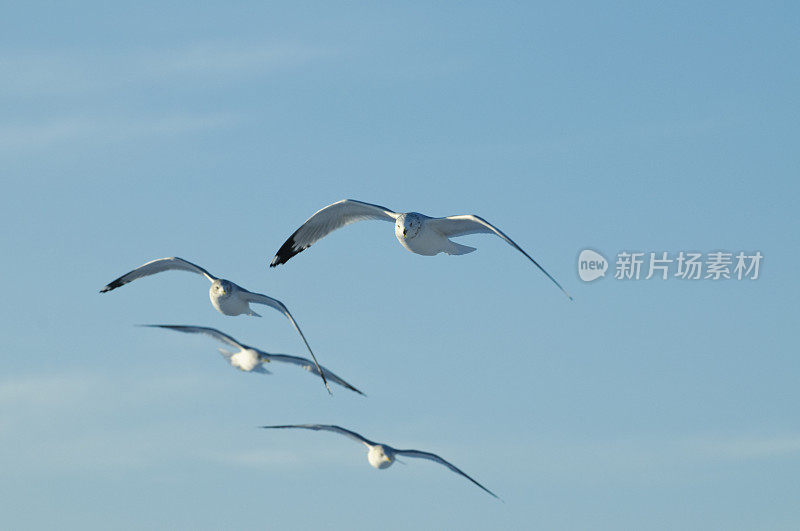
417 232
226 297
382 455
251 359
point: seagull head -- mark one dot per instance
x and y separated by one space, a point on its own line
408 225
221 287
380 456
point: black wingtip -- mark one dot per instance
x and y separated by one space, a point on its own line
348 386
287 251
112 285
284 254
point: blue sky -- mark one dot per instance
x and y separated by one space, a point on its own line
212 131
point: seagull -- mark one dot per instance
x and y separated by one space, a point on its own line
251 359
416 232
227 297
382 455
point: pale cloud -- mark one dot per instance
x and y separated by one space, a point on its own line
641 459
743 448
31 400
28 73
66 78
72 421
213 59
43 391
106 129
259 458
284 452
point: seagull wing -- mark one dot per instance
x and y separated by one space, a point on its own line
261 369
157 266
433 457
328 427
453 226
259 298
309 366
213 332
327 220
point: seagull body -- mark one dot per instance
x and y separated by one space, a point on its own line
245 360
416 232
251 359
228 298
382 455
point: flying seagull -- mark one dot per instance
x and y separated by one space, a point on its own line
251 359
418 233
382 455
226 297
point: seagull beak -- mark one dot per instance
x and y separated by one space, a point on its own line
404 231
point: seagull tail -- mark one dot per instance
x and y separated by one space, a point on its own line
225 353
458 249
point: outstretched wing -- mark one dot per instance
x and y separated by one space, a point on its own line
213 332
327 220
157 266
453 226
261 369
309 366
327 427
433 457
260 298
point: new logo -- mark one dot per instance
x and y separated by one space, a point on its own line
591 265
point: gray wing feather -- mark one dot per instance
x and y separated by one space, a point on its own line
453 226
212 332
309 366
157 266
261 369
327 427
260 298
327 220
435 458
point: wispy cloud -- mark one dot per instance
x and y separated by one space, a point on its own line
261 458
26 401
271 454
81 91
742 448
28 73
213 59
104 129
43 391
72 422
644 459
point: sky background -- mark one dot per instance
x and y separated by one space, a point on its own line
211 131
